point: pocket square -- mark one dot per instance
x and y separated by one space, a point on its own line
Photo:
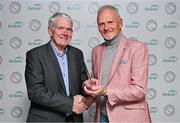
123 61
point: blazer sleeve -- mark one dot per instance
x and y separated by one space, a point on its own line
38 92
138 80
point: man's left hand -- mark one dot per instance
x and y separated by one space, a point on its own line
97 91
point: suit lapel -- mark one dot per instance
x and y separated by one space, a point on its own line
54 62
99 62
122 48
70 68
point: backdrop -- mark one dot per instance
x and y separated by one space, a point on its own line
23 26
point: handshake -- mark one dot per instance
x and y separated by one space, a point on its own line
91 88
79 104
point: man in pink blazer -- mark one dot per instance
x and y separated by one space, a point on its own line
120 72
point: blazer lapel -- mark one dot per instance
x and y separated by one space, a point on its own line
98 62
122 48
70 68
54 62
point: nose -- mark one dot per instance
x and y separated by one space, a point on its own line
65 32
106 26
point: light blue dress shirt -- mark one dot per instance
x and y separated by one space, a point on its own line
62 60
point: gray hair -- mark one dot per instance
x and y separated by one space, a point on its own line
108 7
59 14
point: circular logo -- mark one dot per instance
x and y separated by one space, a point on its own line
169 110
132 8
169 76
15 42
170 42
35 25
15 7
170 8
92 111
151 25
1 94
16 77
16 111
76 25
93 7
0 60
93 41
152 60
54 7
151 93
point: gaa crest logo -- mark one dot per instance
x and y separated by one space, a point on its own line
16 112
151 93
152 60
15 42
132 8
54 7
93 41
151 25
35 25
15 7
169 76
16 77
169 110
170 42
170 8
93 7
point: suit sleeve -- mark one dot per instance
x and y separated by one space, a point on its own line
38 92
138 82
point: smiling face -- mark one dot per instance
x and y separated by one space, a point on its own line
109 23
61 32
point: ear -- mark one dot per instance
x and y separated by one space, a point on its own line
50 31
121 22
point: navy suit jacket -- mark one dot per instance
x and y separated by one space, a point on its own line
45 84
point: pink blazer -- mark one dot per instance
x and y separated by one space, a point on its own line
127 82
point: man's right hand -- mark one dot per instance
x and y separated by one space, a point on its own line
79 105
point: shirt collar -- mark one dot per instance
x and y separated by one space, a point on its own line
56 50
